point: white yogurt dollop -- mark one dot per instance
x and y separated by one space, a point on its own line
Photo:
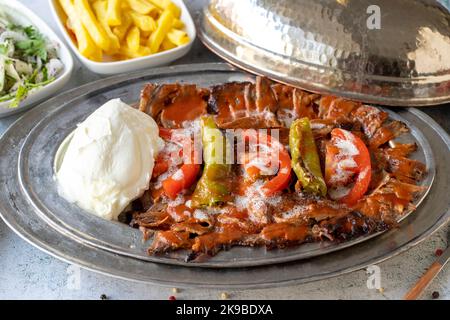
109 159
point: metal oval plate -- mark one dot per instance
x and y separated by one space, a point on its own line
18 214
47 132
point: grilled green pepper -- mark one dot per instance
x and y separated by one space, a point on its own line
305 158
214 185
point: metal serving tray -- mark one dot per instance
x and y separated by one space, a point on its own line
30 205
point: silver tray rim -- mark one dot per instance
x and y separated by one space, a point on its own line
39 240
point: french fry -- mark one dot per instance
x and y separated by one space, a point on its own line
176 11
68 8
92 25
134 39
145 35
178 37
85 44
124 5
121 31
113 12
167 5
97 55
167 44
161 4
142 7
178 24
165 22
141 52
143 22
100 9
69 24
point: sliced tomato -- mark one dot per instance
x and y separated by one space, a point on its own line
163 160
282 179
347 167
165 133
182 179
283 176
161 165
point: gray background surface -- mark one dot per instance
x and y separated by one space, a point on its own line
27 273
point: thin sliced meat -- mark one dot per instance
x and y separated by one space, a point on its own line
394 160
265 98
369 118
147 94
155 97
244 105
401 149
212 242
228 101
156 217
300 209
250 98
192 226
387 133
325 209
392 198
286 112
336 108
146 233
251 122
283 95
145 201
173 104
179 213
165 241
293 103
239 219
321 128
187 105
350 226
405 167
304 103
283 234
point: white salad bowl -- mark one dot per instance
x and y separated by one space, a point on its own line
20 14
115 67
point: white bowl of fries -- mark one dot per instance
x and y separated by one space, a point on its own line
117 36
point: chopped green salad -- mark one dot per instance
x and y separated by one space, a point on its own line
28 61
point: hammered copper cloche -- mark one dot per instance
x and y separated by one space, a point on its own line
391 52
